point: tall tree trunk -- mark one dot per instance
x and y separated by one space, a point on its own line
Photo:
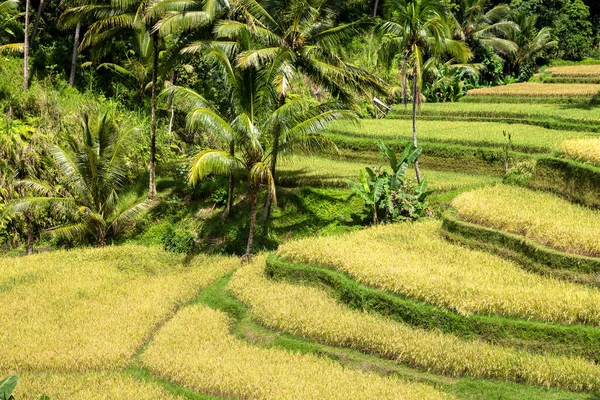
152 166
274 154
101 239
36 24
74 55
26 47
30 236
414 122
170 102
375 8
231 187
29 243
253 193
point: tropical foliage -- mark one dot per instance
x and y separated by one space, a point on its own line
390 196
94 172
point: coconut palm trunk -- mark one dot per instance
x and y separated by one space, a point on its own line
152 165
253 197
231 187
36 24
414 122
74 55
26 47
274 154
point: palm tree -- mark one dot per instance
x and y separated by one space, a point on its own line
417 30
138 66
108 18
298 37
474 26
94 171
531 41
9 26
26 47
254 110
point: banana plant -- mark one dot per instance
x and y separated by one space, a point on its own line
7 387
391 196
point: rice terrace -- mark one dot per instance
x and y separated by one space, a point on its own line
300 199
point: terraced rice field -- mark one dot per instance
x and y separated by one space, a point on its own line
90 385
93 309
320 171
414 260
582 149
313 313
578 114
477 134
535 89
541 216
575 71
214 361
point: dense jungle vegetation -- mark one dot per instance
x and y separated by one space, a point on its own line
106 105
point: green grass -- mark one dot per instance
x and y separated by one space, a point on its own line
477 134
320 171
558 115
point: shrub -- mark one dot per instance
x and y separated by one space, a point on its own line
391 196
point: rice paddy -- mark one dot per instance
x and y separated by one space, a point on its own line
321 171
550 220
563 112
311 312
479 134
196 349
93 309
582 149
89 386
534 89
414 260
575 71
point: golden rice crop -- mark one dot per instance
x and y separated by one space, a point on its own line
311 312
575 71
535 89
541 216
92 309
320 171
583 149
88 386
414 260
196 349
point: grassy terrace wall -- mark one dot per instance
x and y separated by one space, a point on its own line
533 250
573 180
536 336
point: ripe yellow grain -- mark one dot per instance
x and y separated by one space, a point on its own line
196 349
311 312
541 216
575 71
583 149
88 386
414 260
92 309
535 89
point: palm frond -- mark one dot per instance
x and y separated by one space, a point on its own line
212 162
261 174
128 215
